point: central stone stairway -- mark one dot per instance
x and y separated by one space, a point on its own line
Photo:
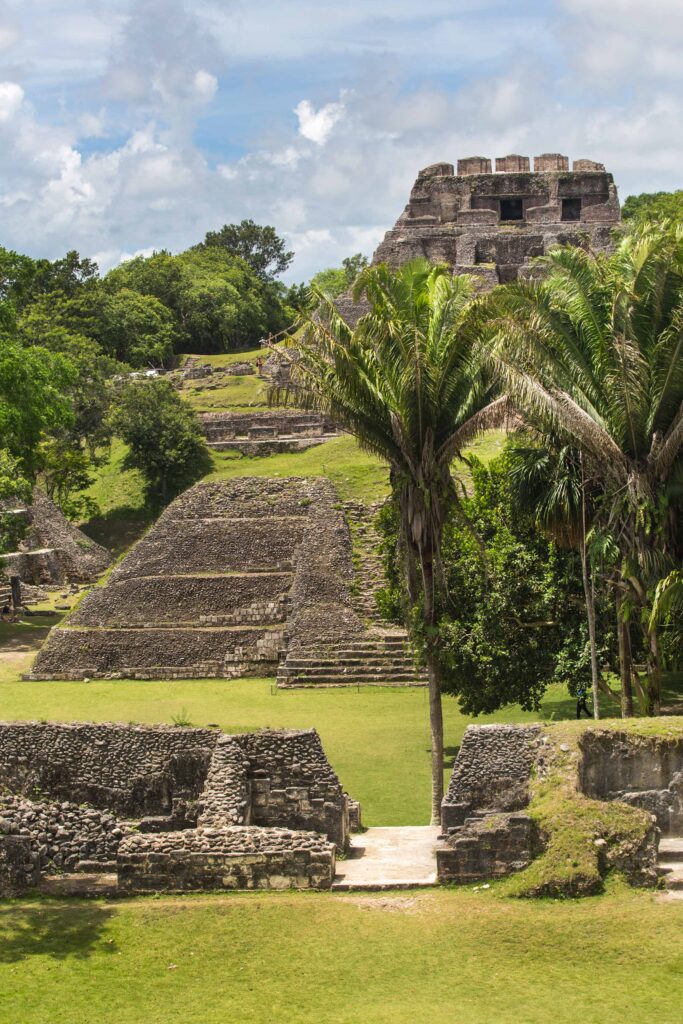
390 858
373 660
670 864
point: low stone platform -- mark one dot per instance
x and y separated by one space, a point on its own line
390 858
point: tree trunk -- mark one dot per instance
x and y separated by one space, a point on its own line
434 675
654 673
589 595
625 665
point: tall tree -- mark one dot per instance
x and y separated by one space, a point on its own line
595 353
163 435
407 382
258 245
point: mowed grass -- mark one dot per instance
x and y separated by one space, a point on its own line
313 958
236 393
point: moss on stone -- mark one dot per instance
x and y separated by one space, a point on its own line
583 838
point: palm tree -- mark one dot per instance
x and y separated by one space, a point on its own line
551 481
595 353
407 382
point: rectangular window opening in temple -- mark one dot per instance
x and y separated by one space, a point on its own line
571 209
511 209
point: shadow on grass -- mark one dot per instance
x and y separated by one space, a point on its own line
449 756
57 930
118 529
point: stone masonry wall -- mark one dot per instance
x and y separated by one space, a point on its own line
225 858
129 770
61 836
293 784
491 772
487 847
144 601
645 772
208 806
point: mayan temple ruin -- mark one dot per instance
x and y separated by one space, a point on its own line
493 223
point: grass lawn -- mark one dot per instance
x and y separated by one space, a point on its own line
309 958
234 393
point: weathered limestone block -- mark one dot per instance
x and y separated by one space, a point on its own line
587 165
645 772
474 165
513 163
550 162
225 858
487 847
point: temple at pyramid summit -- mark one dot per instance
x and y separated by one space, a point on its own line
493 223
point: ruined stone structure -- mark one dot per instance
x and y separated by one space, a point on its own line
492 223
487 834
53 550
266 433
642 771
168 808
491 772
248 577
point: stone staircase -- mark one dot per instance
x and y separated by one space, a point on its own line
381 656
670 863
374 660
368 568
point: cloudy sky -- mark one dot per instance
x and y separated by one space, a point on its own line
130 125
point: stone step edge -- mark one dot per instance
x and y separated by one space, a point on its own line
309 685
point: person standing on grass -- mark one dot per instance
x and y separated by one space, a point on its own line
581 701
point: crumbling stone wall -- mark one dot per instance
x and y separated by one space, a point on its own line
262 433
130 770
231 600
491 772
53 550
209 810
486 847
642 771
225 858
292 783
61 836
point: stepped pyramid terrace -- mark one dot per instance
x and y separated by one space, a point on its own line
251 577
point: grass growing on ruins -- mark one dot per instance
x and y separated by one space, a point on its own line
356 474
233 393
311 958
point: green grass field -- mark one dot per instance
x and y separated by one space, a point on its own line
408 957
309 958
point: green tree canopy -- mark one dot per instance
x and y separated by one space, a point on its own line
594 353
653 207
335 280
34 400
258 245
163 435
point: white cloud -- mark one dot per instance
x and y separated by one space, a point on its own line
173 118
205 85
11 98
317 125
